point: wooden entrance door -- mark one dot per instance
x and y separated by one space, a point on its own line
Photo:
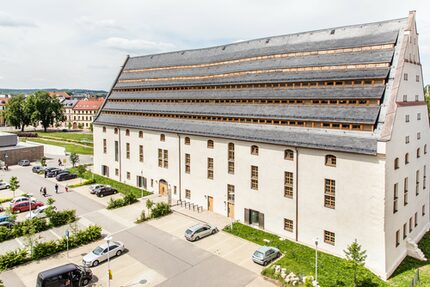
210 203
162 190
230 210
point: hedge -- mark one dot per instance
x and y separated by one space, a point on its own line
45 249
85 182
128 199
3 200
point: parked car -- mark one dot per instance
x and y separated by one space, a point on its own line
4 185
24 162
20 199
5 218
65 176
65 275
199 231
54 172
25 206
38 212
106 191
37 168
265 254
95 187
100 254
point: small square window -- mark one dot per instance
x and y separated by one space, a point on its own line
128 175
188 194
418 136
419 116
329 237
405 76
417 78
405 98
116 171
407 139
407 118
288 225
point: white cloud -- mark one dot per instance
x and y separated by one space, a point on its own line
1 78
137 45
98 24
12 22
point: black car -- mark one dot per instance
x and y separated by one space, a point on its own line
37 169
65 275
106 191
65 176
53 172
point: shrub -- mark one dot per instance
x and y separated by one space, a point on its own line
160 209
85 182
3 200
5 234
44 249
115 203
58 218
129 198
27 134
13 258
142 217
27 226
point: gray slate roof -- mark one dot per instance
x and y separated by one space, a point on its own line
291 137
275 93
340 114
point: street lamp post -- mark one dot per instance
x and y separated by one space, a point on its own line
316 260
108 239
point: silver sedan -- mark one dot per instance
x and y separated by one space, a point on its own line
199 231
102 252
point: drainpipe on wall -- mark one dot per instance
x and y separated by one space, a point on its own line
180 171
119 153
297 194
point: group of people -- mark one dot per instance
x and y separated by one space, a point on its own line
44 193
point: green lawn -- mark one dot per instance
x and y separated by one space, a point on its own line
121 187
83 138
332 271
70 147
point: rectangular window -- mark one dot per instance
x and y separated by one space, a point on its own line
417 182
329 193
418 136
405 76
410 224
166 158
407 118
127 150
288 184
188 194
141 181
104 146
419 116
396 198
116 171
407 139
405 192
210 168
128 175
160 157
405 98
288 225
230 158
230 193
423 210
417 78
397 238
416 219
174 190
405 231
187 163
329 237
116 150
141 153
254 177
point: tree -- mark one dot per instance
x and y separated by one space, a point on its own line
149 205
43 161
48 110
74 158
14 184
80 170
355 257
69 125
17 112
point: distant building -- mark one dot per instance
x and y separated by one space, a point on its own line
3 103
84 112
61 95
320 134
68 106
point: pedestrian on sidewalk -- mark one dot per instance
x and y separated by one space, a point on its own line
67 188
45 172
59 162
44 191
56 188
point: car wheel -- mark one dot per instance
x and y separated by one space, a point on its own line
118 253
85 282
278 255
264 263
214 231
95 263
197 238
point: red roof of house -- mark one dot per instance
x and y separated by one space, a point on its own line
60 95
3 101
88 104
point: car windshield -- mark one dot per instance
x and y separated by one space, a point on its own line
98 250
258 254
188 231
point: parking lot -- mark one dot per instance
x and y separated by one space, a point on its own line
157 252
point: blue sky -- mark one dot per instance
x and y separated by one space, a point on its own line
83 43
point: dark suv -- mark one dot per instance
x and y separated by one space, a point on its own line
53 172
106 191
65 176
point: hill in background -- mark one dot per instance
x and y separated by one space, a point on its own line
69 91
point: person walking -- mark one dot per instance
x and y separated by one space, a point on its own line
67 188
45 172
44 191
59 162
56 188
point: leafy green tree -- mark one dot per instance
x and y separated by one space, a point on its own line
427 99
43 161
14 184
80 170
356 257
17 112
48 110
74 158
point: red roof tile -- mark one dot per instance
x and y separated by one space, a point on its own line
88 104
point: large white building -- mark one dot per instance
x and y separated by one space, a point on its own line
320 134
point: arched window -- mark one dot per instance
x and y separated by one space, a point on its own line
418 152
210 144
288 154
396 163
162 137
254 150
104 129
330 160
141 134
187 140
127 132
406 158
115 131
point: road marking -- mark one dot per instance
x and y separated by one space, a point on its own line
20 242
55 234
